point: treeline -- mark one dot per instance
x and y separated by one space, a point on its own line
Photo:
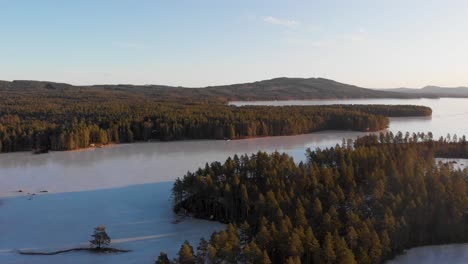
361 202
389 110
63 124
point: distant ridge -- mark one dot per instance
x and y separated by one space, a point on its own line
274 89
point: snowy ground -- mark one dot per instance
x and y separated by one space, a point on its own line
457 163
138 218
450 254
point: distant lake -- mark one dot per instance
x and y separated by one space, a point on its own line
136 204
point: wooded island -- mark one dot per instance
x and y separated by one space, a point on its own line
363 202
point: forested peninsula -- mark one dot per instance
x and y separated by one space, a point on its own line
359 202
43 116
49 126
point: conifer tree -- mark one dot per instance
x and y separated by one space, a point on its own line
265 258
202 252
186 254
100 237
328 251
343 254
163 259
311 246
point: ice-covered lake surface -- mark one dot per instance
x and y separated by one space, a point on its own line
127 188
450 254
137 218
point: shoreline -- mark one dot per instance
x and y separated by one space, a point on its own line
200 139
110 145
405 252
186 140
84 149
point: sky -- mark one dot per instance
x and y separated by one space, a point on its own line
370 43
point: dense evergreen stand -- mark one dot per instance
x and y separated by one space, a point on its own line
61 124
361 202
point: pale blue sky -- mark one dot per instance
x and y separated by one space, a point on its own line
370 43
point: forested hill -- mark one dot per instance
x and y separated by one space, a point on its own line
297 88
274 89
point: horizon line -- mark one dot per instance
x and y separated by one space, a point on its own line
225 84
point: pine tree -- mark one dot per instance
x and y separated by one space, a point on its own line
266 258
244 233
300 218
311 246
295 245
100 237
317 210
352 237
263 236
293 260
343 254
363 257
163 259
375 252
202 252
212 254
186 254
328 250
253 253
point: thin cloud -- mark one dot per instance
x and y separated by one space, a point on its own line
281 22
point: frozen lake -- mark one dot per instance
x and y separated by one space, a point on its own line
127 188
137 218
